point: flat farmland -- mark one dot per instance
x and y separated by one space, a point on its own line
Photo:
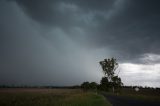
50 97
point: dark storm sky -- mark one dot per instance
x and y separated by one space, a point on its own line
60 42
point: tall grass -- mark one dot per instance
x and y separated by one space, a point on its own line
59 97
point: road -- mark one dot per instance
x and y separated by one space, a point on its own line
128 101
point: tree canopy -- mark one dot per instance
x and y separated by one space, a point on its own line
109 66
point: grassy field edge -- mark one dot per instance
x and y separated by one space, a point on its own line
51 97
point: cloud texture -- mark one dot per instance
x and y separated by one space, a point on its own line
61 42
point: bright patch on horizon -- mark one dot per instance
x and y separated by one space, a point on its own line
140 74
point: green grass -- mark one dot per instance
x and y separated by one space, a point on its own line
52 98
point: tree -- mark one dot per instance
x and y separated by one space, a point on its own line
109 66
93 85
116 83
85 86
104 84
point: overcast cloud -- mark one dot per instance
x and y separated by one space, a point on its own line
60 42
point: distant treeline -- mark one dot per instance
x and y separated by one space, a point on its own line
25 86
71 87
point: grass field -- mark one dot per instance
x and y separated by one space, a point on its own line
142 94
50 97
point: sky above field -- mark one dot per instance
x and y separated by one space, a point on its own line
60 42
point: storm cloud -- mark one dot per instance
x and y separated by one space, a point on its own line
62 41
130 27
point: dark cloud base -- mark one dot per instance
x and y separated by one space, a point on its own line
129 27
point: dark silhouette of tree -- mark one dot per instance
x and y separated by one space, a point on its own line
109 66
93 85
85 86
116 83
89 86
104 84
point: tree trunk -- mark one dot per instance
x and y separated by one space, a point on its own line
113 89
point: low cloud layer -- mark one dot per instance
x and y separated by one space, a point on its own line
61 42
